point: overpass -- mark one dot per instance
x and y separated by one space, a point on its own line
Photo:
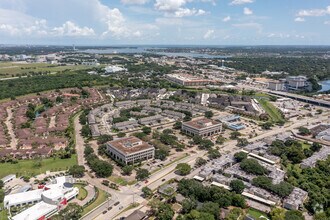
301 98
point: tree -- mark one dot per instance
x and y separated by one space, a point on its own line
85 131
127 170
208 114
319 111
316 147
164 212
220 140
71 211
2 195
121 134
146 130
277 214
142 174
213 153
206 144
188 205
239 156
183 169
252 166
200 162
237 186
147 192
77 171
238 201
234 135
102 139
294 215
267 125
242 142
304 131
212 208
177 125
234 214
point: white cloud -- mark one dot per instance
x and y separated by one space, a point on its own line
299 19
71 29
225 19
240 2
247 11
182 12
209 34
170 5
137 34
314 12
176 8
327 22
134 2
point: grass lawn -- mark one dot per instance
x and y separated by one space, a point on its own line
82 191
3 212
102 197
256 214
27 167
272 111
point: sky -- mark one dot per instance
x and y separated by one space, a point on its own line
165 22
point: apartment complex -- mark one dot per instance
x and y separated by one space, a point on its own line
129 150
203 127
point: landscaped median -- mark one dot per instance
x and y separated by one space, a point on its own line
100 197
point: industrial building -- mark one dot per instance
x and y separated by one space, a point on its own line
203 127
130 150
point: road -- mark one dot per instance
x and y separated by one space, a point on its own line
9 124
123 197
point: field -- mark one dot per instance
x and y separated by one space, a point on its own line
257 214
121 181
272 111
15 69
102 197
29 168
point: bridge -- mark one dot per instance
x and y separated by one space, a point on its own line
301 98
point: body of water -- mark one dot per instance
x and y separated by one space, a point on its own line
140 50
325 85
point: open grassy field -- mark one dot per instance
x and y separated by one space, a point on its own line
102 197
29 168
14 69
272 111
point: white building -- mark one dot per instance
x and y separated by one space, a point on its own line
203 127
276 85
114 69
130 150
296 82
45 201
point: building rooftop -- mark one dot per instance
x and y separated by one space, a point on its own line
201 123
129 145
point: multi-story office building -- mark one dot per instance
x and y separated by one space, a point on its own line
202 127
276 85
296 82
129 150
